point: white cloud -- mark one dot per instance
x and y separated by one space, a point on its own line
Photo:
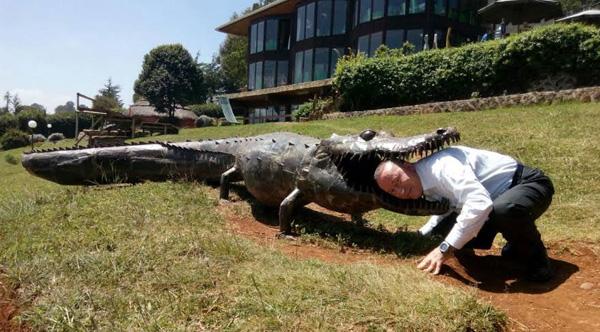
46 98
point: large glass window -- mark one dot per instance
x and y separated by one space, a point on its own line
284 35
376 41
282 73
260 37
415 37
310 21
439 39
365 11
396 7
453 9
321 64
439 7
339 17
394 38
336 54
464 15
259 75
252 76
356 14
271 36
416 6
368 44
269 80
324 10
307 70
253 30
378 9
298 67
300 23
363 44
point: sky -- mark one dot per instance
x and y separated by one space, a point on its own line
52 49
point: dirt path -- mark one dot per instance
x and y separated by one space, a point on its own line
8 310
570 302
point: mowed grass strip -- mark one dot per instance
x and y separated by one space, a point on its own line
156 256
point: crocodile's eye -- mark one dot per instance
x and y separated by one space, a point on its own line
368 134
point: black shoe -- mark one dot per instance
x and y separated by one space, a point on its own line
539 268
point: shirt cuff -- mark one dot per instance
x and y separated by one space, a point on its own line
456 238
430 225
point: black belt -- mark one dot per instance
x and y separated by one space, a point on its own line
517 177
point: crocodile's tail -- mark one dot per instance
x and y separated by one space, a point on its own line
131 163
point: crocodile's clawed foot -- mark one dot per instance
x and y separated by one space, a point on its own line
225 202
287 236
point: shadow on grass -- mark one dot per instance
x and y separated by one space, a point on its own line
495 274
342 232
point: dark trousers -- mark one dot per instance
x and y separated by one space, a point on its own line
514 213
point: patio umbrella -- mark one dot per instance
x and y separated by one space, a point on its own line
588 16
519 11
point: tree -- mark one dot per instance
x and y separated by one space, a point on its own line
232 62
32 114
7 98
16 103
39 107
111 91
66 108
170 78
213 78
105 103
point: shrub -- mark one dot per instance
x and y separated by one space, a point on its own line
7 121
32 114
9 158
13 139
208 109
65 123
484 69
306 110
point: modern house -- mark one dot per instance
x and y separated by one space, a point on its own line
294 45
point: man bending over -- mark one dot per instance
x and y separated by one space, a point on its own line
489 193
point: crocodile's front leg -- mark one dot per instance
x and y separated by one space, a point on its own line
286 210
231 175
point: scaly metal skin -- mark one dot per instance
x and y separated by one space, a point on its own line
279 169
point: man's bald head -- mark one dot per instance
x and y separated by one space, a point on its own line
399 179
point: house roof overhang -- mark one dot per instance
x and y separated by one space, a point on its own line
281 95
239 26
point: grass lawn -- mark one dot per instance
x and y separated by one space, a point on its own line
157 256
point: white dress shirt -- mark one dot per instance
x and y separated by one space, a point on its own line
470 179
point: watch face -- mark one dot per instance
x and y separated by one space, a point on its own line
444 247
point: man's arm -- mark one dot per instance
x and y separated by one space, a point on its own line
458 183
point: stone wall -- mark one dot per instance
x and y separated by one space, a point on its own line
586 95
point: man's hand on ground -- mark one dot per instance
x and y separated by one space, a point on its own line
433 262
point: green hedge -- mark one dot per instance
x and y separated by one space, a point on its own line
13 139
8 121
489 68
64 123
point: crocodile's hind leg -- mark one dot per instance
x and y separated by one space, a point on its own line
231 175
286 210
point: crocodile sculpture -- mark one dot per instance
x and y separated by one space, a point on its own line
279 169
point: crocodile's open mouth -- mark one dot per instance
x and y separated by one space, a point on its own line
358 167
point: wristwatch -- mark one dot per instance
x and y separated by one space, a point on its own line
445 247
